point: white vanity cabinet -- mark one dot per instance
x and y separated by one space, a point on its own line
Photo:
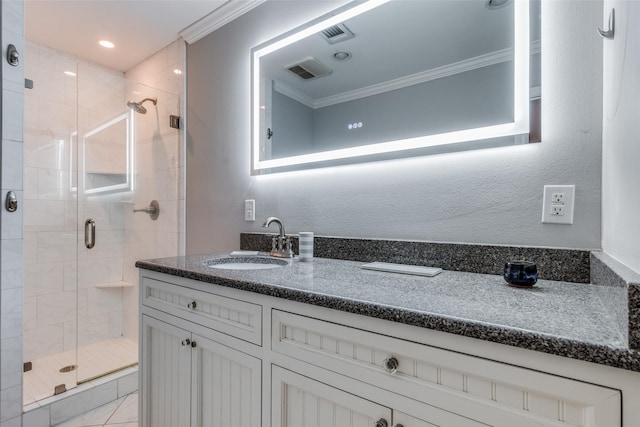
261 361
445 388
188 377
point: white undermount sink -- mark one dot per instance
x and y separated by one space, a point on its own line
245 263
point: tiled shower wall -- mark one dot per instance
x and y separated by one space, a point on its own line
11 268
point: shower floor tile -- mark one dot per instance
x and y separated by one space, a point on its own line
93 361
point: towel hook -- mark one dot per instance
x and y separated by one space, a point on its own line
610 32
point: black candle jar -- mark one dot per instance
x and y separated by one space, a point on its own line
521 273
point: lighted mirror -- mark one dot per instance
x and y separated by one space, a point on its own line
381 79
107 153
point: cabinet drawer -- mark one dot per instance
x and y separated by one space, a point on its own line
301 401
489 392
227 315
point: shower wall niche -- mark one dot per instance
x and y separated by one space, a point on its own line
89 156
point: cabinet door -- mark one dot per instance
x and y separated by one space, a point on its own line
226 386
300 401
166 375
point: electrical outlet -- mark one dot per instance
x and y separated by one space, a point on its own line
249 210
557 204
558 197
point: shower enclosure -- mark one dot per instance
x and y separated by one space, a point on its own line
92 154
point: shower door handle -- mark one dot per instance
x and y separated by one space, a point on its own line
89 233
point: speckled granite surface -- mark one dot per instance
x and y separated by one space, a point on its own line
571 265
619 283
560 318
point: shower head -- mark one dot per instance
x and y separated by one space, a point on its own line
137 106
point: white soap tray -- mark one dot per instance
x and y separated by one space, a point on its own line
244 253
417 270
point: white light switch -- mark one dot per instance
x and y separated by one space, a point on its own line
557 204
250 210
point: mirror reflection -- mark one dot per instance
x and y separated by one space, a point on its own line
401 71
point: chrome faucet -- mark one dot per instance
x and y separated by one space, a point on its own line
281 244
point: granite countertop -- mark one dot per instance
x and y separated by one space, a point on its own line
560 318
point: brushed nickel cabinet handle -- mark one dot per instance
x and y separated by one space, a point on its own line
381 423
390 364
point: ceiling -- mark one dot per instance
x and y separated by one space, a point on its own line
393 42
138 28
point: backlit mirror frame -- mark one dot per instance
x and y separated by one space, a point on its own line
519 126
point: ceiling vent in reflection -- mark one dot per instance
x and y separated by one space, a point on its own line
309 68
337 33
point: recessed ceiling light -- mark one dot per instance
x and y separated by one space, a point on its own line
70 73
342 55
107 44
177 71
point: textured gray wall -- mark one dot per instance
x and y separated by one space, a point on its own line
475 98
292 126
491 196
461 101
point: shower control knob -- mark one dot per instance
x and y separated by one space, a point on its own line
186 342
191 305
390 364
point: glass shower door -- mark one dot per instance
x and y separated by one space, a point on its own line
126 156
49 230
104 175
90 160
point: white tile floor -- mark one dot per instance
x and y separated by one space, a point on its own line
120 413
93 361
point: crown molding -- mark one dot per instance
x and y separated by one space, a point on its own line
226 13
433 74
294 94
422 77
